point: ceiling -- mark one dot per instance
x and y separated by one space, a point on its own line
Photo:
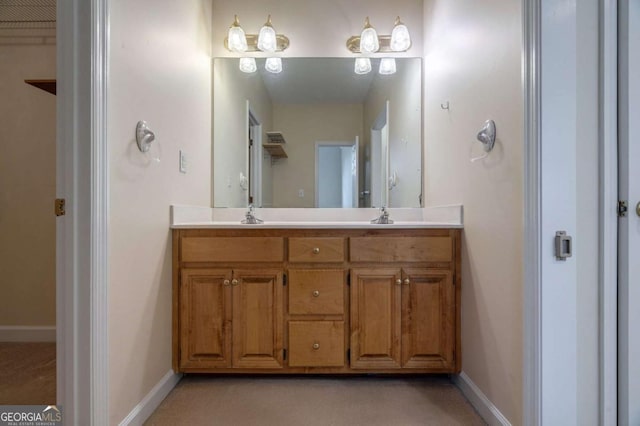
27 14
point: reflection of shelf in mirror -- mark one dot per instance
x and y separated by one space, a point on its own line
275 149
275 137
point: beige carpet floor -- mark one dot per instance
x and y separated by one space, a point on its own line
310 401
27 373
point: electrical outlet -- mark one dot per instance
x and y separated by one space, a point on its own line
183 162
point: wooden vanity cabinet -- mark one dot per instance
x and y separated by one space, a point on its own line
320 301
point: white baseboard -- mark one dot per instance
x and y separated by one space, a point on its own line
152 400
480 402
27 333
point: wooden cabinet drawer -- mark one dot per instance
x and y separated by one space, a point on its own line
401 249
316 344
316 291
232 249
316 249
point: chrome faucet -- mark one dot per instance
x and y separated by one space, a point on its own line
249 217
383 219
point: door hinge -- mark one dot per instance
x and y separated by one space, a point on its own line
59 207
623 208
284 279
284 354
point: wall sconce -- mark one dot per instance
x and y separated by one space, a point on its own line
266 41
370 42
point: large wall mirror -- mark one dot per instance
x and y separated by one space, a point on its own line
317 134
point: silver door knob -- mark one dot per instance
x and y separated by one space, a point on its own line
234 282
638 209
316 346
398 281
407 281
226 282
316 293
316 250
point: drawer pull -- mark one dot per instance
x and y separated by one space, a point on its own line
316 250
226 282
316 346
316 293
398 281
234 282
407 281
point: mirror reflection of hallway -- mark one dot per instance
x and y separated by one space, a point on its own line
337 174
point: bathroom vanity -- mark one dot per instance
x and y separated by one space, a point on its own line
316 297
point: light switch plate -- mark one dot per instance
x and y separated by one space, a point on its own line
183 162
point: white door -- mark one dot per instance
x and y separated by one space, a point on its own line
629 226
355 169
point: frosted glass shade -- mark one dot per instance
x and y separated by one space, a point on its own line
236 38
248 65
267 37
363 66
387 66
369 42
273 65
400 38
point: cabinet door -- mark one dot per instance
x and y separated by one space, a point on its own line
375 318
205 318
428 319
257 318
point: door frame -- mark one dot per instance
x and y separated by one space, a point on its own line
536 244
82 244
82 42
318 144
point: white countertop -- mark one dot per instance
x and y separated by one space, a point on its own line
196 217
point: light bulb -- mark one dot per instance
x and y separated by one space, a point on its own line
236 39
267 37
387 66
248 65
363 66
369 38
273 65
400 38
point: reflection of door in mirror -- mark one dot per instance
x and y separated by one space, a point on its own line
337 174
380 159
255 160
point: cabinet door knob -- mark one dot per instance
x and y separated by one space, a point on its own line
226 282
398 281
316 250
407 281
234 282
316 293
316 346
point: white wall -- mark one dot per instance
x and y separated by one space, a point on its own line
334 22
473 60
302 126
27 181
230 148
159 71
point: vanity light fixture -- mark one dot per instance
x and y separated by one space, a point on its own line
273 65
363 66
387 66
266 41
369 41
236 38
248 65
